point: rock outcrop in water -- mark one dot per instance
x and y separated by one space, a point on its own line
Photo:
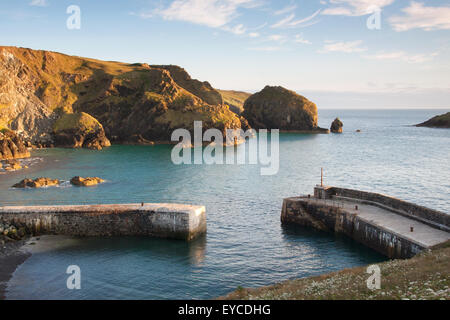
86 182
37 183
336 126
128 100
279 108
12 146
441 121
77 130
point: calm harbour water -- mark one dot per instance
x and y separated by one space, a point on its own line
246 244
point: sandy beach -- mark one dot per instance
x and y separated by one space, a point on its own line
12 255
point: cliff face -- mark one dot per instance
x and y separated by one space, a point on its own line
12 146
38 87
279 108
441 121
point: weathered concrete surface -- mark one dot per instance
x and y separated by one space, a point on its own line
429 216
158 220
380 229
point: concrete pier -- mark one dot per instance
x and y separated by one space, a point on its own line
393 227
175 221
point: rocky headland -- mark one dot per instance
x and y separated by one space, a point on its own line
441 121
60 100
280 108
52 99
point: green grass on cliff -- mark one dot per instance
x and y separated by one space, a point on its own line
127 99
235 99
82 121
425 276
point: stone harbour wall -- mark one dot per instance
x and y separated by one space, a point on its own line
420 213
175 221
322 217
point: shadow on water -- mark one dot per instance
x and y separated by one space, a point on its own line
189 253
296 236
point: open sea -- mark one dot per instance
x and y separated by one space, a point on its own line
246 245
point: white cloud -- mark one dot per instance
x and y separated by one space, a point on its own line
253 34
238 29
346 47
285 10
418 16
403 56
299 39
277 38
39 3
212 13
355 7
290 21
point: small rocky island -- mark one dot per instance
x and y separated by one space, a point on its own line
441 121
336 126
280 108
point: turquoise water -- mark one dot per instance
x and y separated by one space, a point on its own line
246 244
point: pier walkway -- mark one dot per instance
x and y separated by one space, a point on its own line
393 227
423 234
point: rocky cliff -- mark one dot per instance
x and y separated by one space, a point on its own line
441 121
38 88
279 108
11 146
79 130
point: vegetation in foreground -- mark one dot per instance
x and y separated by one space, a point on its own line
424 277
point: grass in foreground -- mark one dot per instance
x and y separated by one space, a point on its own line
426 276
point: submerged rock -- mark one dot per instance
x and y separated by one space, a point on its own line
279 108
86 182
37 183
336 126
441 121
80 130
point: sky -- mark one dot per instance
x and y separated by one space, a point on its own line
338 53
